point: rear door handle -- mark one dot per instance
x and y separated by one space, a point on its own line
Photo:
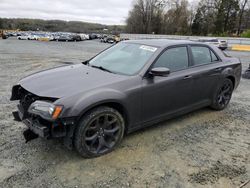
218 69
187 77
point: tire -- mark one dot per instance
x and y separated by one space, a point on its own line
223 95
99 132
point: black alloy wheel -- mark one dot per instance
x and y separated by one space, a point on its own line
99 132
223 95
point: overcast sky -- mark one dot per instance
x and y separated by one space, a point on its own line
97 11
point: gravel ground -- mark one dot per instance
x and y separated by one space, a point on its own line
201 149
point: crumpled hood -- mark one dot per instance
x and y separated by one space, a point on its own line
68 80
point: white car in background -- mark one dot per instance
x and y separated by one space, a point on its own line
33 36
221 44
26 36
84 36
23 37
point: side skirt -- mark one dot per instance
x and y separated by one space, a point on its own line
169 116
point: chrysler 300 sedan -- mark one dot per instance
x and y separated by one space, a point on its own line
131 85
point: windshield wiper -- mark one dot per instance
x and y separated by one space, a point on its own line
102 68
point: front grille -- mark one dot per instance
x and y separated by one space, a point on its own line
26 100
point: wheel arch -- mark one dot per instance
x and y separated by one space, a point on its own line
117 105
229 73
232 78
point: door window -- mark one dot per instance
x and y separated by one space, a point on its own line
202 55
174 59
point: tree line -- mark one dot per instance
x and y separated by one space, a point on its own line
207 17
56 25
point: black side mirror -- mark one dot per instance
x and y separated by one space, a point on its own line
160 71
85 62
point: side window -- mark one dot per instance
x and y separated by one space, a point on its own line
174 58
202 55
213 56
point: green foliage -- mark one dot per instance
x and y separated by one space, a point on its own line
246 34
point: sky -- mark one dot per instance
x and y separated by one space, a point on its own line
97 11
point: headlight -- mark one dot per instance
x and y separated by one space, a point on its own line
46 110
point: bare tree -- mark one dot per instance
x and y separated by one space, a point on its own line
243 4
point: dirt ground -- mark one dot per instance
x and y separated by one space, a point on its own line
201 149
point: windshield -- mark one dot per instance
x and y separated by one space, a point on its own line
124 58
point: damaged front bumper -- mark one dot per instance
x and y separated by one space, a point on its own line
44 128
37 125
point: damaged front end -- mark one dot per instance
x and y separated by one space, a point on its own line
41 116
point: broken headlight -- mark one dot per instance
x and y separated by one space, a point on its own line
46 110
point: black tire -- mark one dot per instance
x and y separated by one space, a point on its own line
99 132
223 95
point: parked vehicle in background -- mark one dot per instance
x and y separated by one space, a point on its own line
84 36
23 36
221 44
76 37
98 36
103 38
92 36
117 39
108 39
33 36
131 85
45 37
5 36
64 38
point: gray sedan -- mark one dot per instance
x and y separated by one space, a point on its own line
129 86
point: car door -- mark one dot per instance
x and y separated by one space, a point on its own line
163 96
206 68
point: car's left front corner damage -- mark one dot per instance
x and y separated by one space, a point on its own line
41 116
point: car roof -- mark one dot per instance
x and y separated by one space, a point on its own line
161 42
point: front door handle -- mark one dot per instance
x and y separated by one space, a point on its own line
187 77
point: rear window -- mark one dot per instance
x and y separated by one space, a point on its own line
203 55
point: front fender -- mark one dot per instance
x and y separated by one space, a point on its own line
77 105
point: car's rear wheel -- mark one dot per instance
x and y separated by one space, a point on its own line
99 132
223 95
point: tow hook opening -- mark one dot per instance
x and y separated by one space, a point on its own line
29 135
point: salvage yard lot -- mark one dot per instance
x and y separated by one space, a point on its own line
201 149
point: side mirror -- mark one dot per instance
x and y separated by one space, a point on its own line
160 71
85 62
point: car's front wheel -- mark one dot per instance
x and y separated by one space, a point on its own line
99 132
223 95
